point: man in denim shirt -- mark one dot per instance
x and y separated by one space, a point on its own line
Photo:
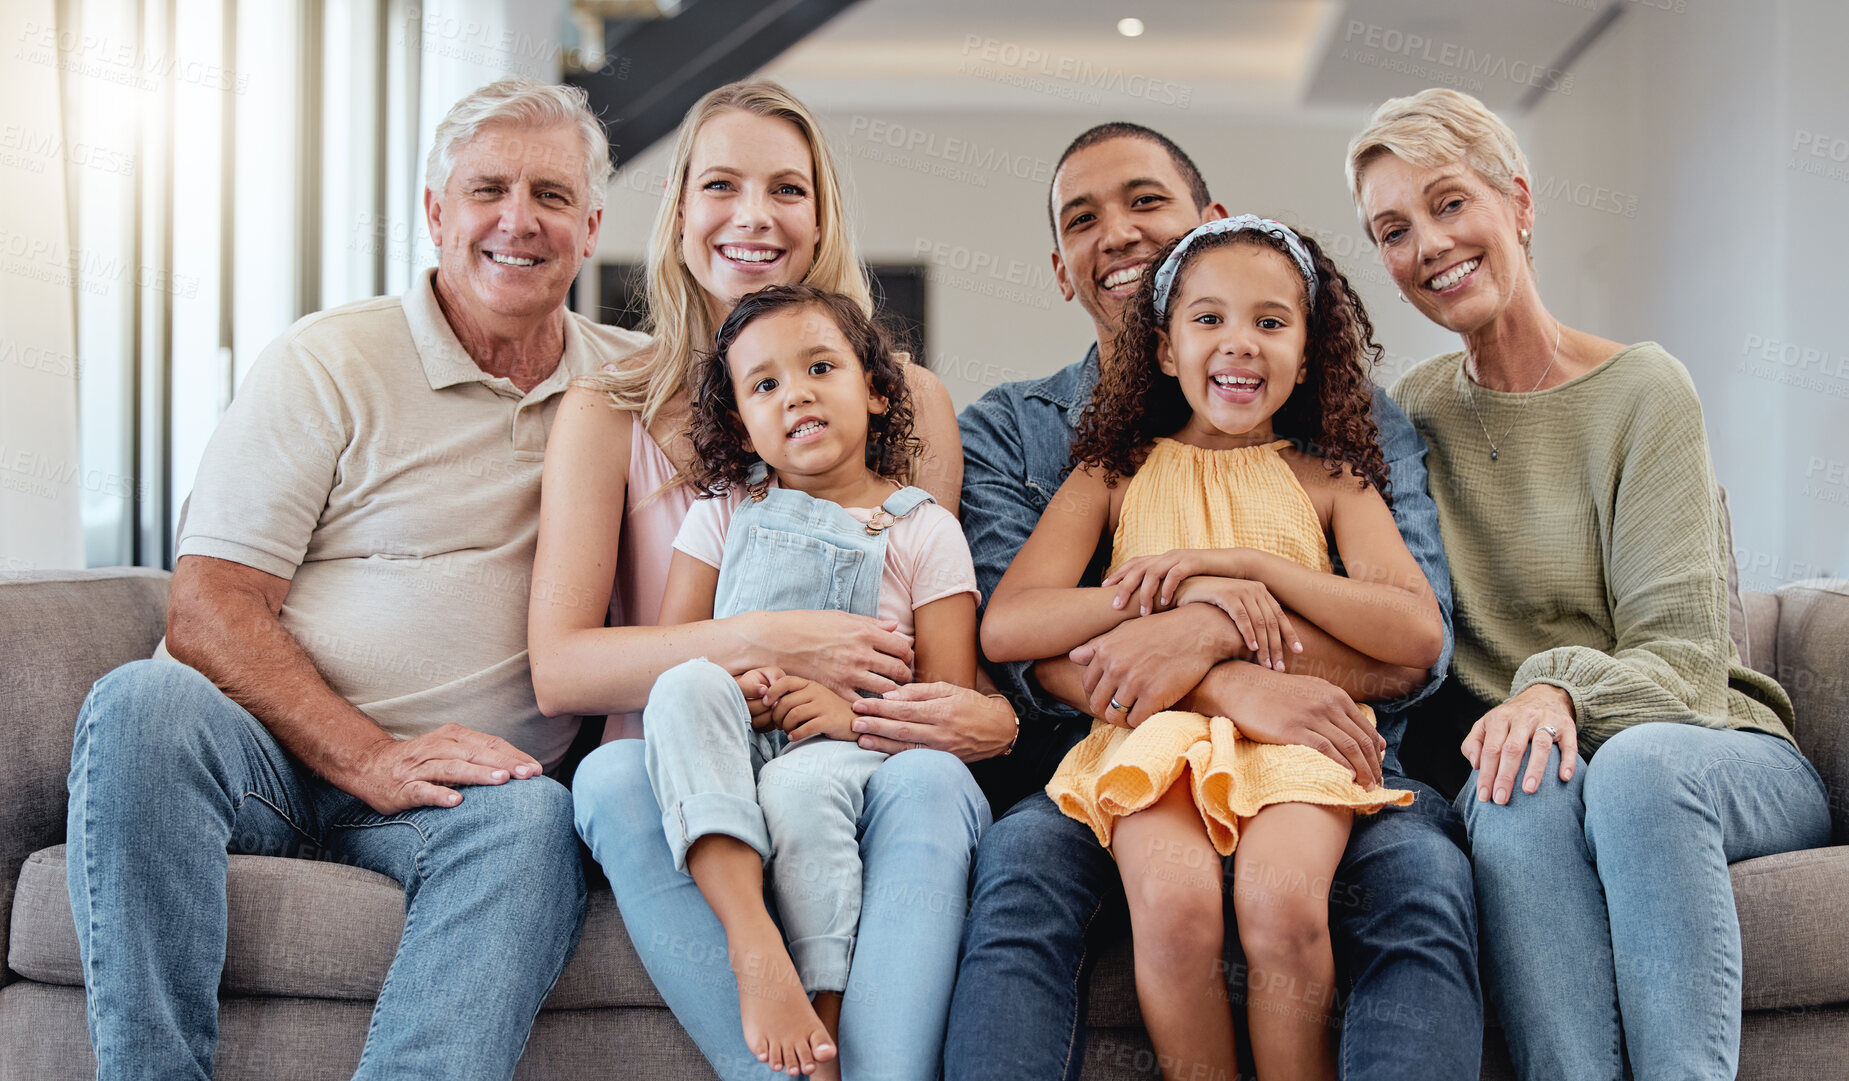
1046 897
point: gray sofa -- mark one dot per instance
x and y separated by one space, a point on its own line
310 942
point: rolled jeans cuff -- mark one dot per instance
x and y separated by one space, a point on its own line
705 813
822 961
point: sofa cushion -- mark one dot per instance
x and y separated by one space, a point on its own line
1794 928
316 930
296 927
1110 1000
324 930
1794 934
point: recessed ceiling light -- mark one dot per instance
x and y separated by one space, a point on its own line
1130 28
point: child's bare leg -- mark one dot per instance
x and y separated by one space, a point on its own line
1173 880
1281 877
781 1027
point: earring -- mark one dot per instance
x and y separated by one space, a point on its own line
1524 236
1402 297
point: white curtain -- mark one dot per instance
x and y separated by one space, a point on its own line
183 180
42 479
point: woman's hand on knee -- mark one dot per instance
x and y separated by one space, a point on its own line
1536 719
840 650
944 716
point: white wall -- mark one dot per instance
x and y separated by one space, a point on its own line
1727 251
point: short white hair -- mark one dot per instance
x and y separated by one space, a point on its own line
530 104
1434 128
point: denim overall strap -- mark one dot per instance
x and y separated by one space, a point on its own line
791 551
899 504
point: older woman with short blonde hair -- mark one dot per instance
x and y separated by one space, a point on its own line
1621 756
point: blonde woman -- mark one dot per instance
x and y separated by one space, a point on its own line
753 200
1621 755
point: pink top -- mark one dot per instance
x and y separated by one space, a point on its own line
651 519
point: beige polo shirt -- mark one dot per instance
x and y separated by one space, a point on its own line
396 485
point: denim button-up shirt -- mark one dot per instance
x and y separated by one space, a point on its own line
1017 447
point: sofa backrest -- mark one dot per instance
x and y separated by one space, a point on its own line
1810 659
60 631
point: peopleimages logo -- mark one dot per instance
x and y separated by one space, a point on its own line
1072 76
119 60
951 149
1407 51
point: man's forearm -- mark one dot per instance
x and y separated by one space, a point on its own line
1364 678
224 623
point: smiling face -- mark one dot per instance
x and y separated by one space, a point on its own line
803 397
1114 205
1450 241
1235 342
513 223
748 214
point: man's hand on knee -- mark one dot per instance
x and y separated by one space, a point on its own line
1279 707
1149 664
396 775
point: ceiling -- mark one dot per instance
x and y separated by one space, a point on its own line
1232 56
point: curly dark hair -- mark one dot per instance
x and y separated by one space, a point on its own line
1330 415
719 436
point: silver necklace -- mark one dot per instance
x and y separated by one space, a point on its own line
1470 390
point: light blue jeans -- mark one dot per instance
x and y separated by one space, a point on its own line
800 812
1607 910
919 825
168 776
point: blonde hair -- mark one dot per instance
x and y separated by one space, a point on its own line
1432 128
678 317
529 104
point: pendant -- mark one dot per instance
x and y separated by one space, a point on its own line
1492 454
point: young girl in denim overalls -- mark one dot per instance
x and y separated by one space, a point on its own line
800 422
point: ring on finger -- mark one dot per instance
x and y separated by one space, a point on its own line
1119 706
1552 732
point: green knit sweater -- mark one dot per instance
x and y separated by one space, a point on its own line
1588 555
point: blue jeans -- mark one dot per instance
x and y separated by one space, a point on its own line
797 804
1401 916
922 816
168 776
1608 912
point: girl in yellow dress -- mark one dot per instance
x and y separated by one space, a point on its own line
1236 406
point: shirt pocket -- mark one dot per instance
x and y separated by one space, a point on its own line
789 571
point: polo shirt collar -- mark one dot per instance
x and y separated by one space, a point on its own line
447 363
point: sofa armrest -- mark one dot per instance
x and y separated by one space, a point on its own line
1812 658
60 631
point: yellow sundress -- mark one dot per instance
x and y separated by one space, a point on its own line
1189 497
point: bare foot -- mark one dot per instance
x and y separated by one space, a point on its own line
781 1027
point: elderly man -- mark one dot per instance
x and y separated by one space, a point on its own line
1046 897
348 615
